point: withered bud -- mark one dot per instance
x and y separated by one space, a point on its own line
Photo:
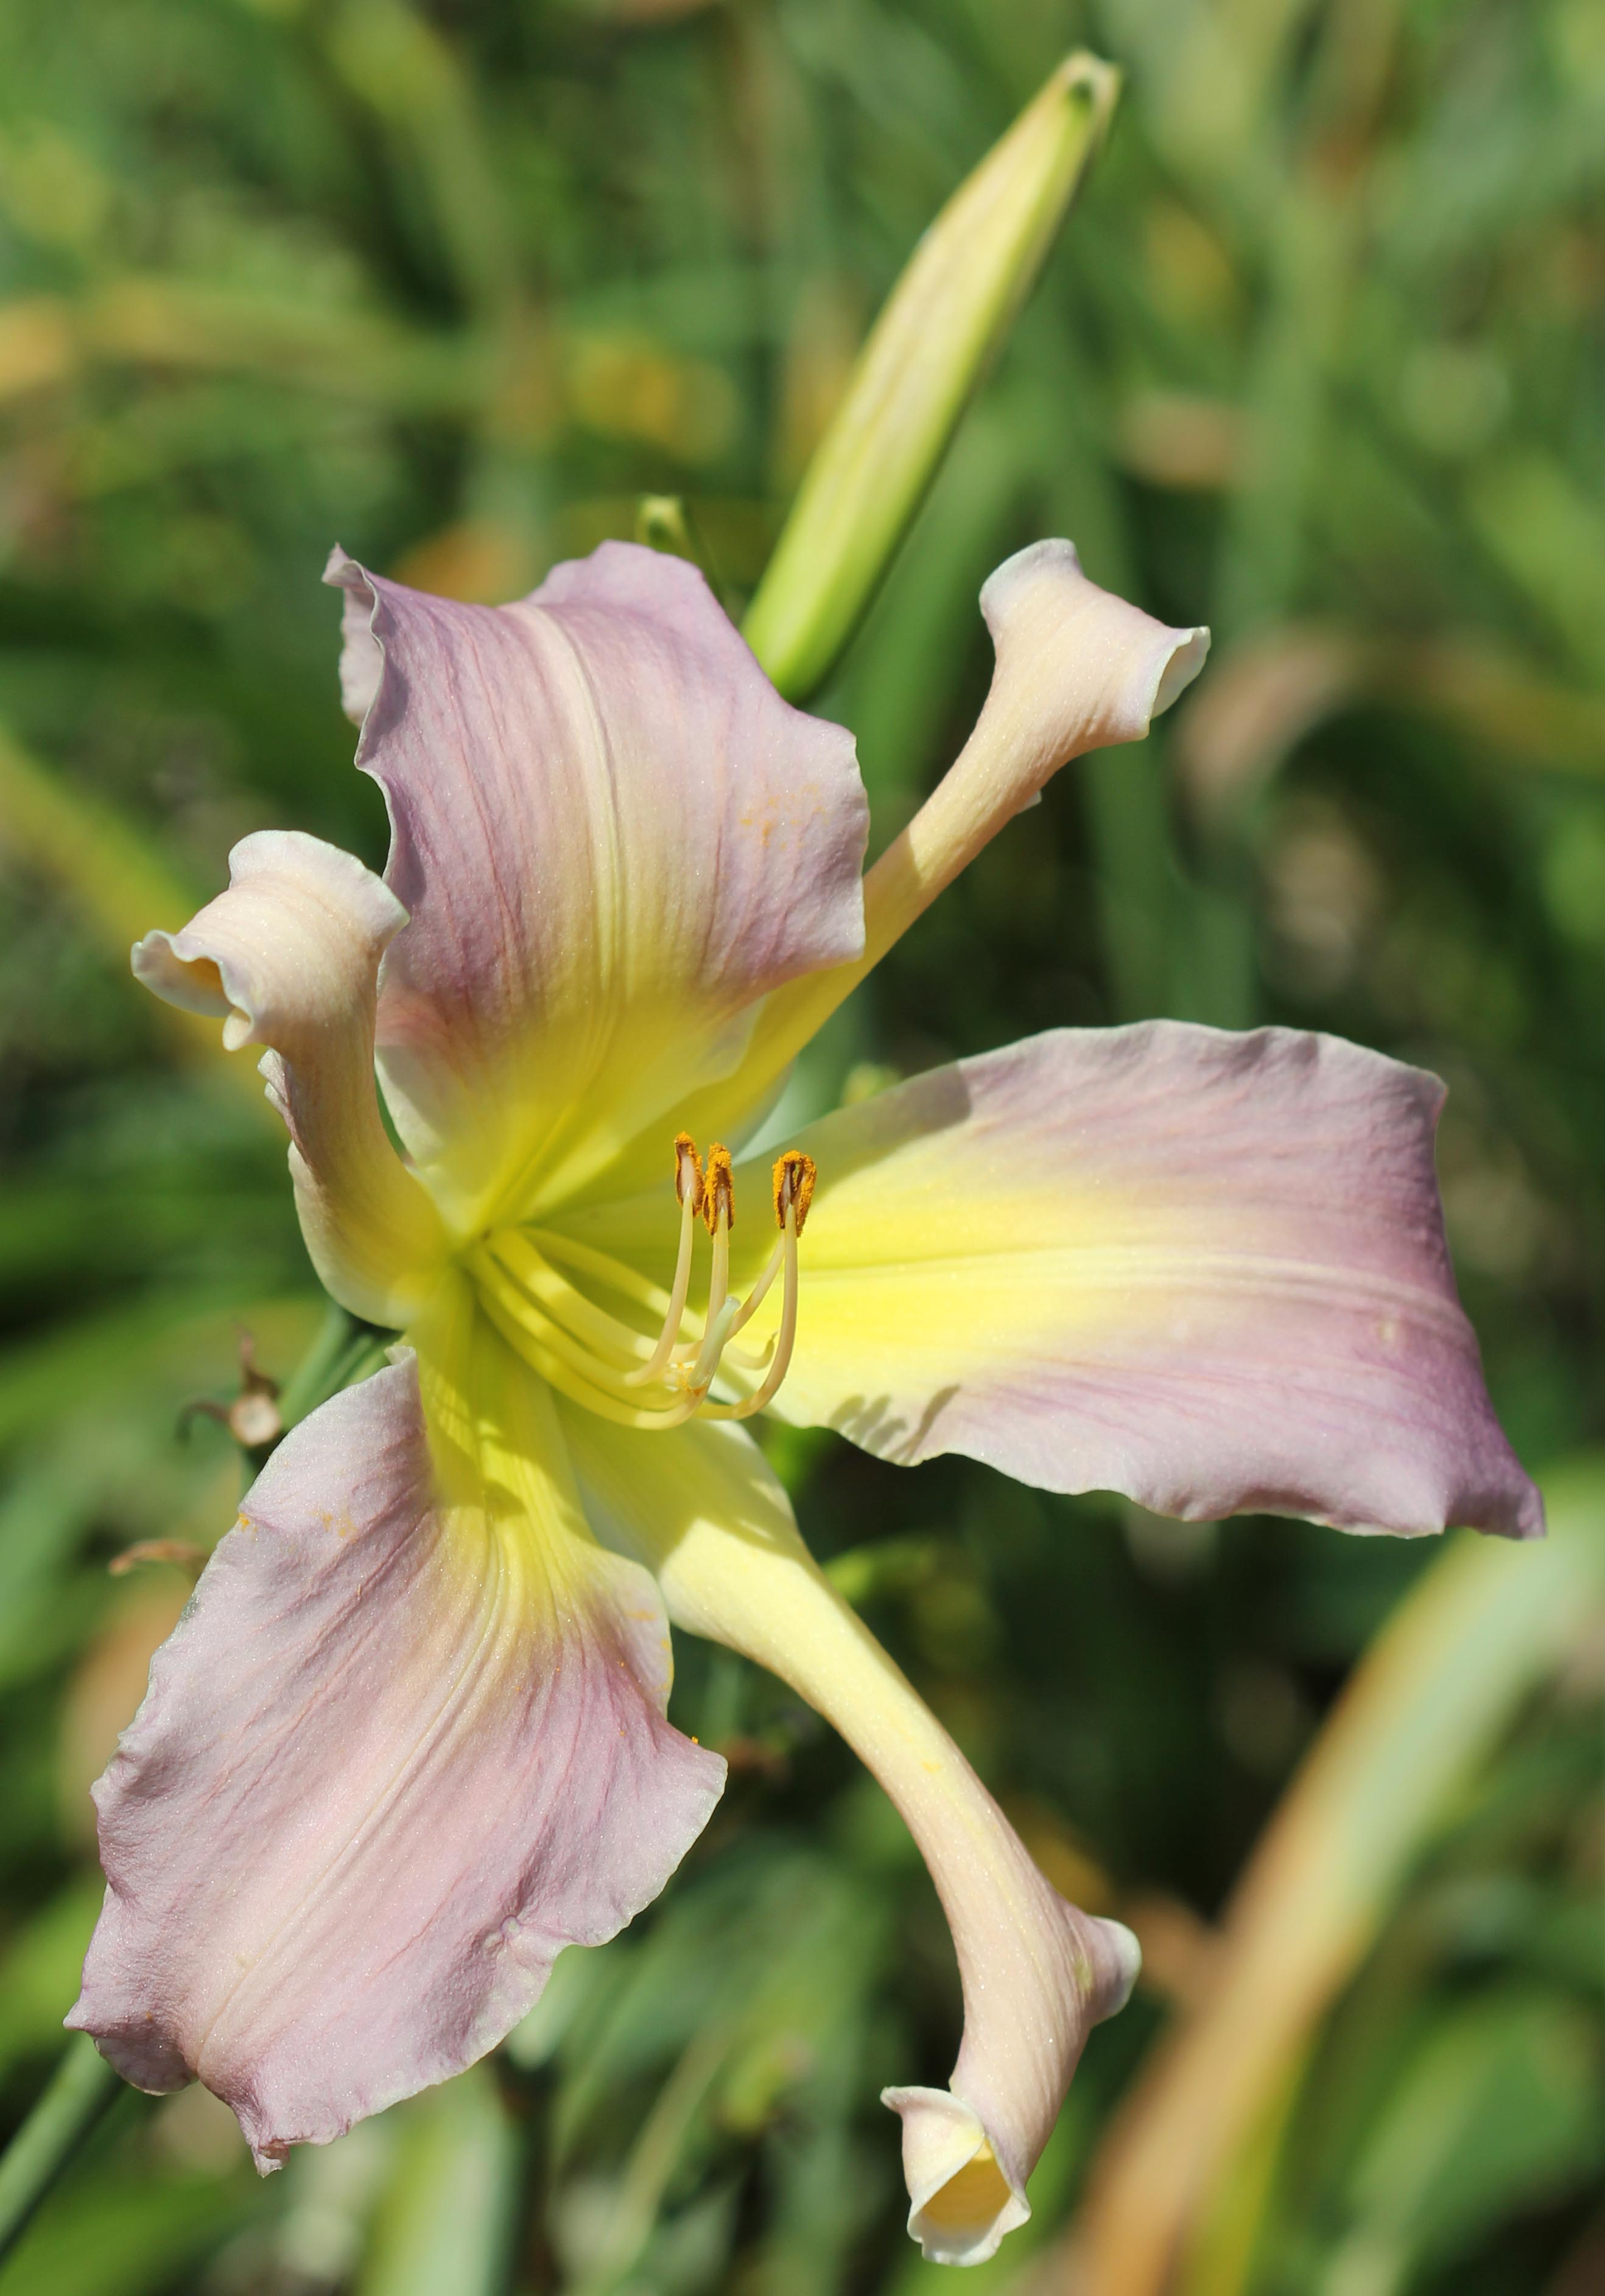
253 1418
181 1552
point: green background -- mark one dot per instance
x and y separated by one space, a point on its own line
1318 361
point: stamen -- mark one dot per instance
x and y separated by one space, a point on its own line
719 1216
760 1292
688 1171
592 1326
688 1186
558 1374
794 1175
793 1183
721 1325
718 1189
786 1338
595 1359
499 1288
516 1329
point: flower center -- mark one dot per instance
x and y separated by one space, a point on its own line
537 1285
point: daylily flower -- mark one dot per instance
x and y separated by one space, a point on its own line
410 1739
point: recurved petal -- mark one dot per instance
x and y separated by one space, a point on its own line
288 958
701 1508
394 1758
1076 669
611 836
1207 1270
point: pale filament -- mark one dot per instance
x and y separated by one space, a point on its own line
718 1207
688 1186
699 1372
560 1374
756 1297
787 1339
611 1366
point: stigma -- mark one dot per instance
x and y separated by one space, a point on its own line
544 1292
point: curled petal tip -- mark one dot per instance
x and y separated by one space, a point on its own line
288 958
1037 1973
192 986
962 2204
1186 659
1116 1965
965 2169
1078 668
286 949
361 655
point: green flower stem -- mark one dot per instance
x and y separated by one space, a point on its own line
448 2214
343 1352
77 2098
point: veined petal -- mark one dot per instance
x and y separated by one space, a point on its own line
288 957
1076 669
701 1508
611 836
1205 1270
396 1755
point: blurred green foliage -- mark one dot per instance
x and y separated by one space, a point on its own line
1320 362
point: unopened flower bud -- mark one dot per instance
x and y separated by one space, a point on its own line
946 318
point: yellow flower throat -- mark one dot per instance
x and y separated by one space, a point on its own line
529 1281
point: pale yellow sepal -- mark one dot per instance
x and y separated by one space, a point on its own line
1077 668
288 958
702 1509
945 321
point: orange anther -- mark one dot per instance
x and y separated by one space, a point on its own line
688 1171
718 1189
794 1187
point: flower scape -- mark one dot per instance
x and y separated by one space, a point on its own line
410 1739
